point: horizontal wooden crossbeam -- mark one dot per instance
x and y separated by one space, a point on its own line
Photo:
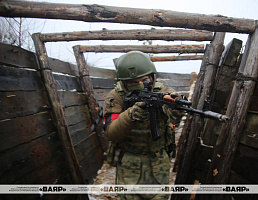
140 34
176 58
144 48
101 13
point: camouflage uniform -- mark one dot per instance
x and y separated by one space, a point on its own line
140 160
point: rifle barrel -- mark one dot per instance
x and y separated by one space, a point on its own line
207 114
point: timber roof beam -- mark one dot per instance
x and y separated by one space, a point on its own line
137 34
144 48
101 13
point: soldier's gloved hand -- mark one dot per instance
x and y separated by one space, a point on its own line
138 112
173 114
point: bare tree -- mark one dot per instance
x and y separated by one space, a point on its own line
17 31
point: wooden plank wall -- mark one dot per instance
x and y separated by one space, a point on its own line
28 139
78 118
27 130
245 164
30 150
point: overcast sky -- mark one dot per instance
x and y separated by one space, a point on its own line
247 9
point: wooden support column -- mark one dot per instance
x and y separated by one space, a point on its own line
58 113
145 48
138 34
101 13
88 89
187 127
228 69
237 110
184 170
87 86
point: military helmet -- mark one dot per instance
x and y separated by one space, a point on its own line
134 64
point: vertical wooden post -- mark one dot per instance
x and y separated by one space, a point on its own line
226 74
185 133
57 110
221 93
86 82
88 89
228 69
215 49
237 110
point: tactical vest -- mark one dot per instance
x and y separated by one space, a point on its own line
139 141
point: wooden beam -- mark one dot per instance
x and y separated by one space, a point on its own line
176 58
139 34
184 169
145 48
196 95
101 13
58 113
237 110
226 74
86 82
88 89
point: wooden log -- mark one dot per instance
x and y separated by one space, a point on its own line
176 58
221 91
227 72
58 113
187 162
237 111
145 48
138 34
196 94
199 82
86 82
100 13
88 89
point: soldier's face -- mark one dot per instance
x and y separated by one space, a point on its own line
136 84
137 81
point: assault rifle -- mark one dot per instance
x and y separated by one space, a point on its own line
155 100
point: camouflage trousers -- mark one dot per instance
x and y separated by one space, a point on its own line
143 169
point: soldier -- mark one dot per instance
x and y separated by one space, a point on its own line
138 159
